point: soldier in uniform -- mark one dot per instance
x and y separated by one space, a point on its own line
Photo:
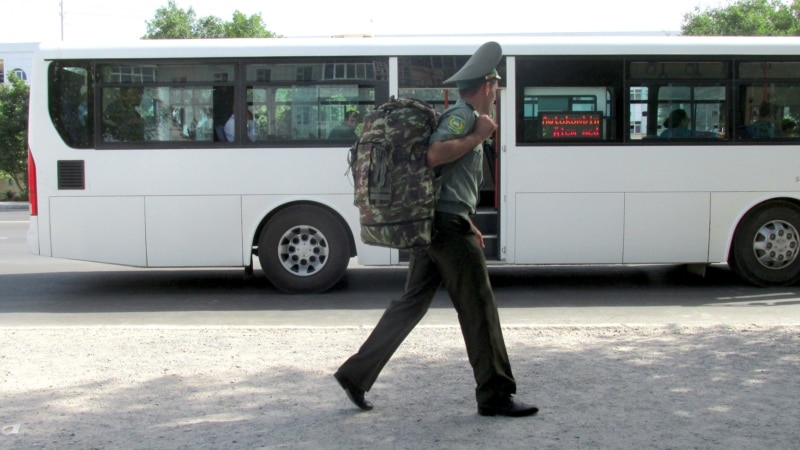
455 257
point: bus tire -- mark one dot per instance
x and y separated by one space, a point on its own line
303 249
765 245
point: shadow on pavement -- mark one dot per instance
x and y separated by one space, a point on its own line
148 290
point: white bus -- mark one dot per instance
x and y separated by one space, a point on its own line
593 163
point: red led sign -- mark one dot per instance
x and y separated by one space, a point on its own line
571 125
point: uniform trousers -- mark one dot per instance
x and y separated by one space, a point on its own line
454 259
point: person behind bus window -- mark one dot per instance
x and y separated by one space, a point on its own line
762 128
347 129
76 121
678 127
788 128
121 118
203 128
230 127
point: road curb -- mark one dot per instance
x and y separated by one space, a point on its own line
13 206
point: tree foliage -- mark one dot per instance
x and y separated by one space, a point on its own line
745 18
14 131
172 22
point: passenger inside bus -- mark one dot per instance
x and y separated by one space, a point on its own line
347 129
76 112
121 118
229 129
762 128
74 109
203 127
678 127
788 128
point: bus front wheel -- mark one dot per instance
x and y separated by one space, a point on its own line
765 245
303 249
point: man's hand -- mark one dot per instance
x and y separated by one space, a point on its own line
442 152
484 127
478 234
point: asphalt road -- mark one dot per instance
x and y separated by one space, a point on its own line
40 291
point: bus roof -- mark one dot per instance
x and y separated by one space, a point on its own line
425 45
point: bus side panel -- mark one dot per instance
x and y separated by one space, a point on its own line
194 231
666 227
32 237
101 229
569 228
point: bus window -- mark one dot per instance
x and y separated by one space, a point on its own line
301 113
637 101
568 100
422 77
439 98
307 99
769 93
164 102
690 112
69 103
677 100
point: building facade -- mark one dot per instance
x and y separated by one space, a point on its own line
16 58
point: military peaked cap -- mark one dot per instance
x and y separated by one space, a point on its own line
480 67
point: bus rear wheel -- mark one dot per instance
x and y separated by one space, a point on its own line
303 249
766 244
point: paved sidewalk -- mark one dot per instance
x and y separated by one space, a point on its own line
621 387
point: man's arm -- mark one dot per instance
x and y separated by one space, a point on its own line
443 152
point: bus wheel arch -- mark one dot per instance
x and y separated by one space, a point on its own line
765 245
304 248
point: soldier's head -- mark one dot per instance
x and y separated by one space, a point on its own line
477 80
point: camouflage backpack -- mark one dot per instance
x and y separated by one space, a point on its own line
395 190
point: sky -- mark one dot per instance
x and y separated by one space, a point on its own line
88 20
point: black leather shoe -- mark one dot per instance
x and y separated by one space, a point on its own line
355 394
507 407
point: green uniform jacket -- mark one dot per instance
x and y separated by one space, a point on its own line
461 179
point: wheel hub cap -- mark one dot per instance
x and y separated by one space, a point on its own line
303 251
776 244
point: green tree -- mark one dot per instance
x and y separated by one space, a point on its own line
242 26
14 131
745 18
209 27
172 22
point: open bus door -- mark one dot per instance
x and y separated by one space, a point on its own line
487 217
